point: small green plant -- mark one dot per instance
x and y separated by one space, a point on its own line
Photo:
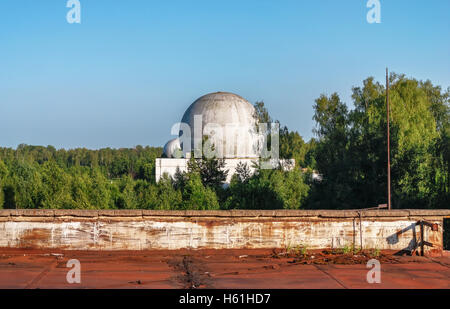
301 250
355 249
304 250
288 248
375 252
346 249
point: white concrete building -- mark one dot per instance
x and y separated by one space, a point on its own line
230 124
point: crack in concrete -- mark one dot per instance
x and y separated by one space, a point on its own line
42 274
331 276
194 275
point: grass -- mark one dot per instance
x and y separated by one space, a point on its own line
348 249
302 250
375 252
299 249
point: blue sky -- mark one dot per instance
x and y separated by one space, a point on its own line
127 73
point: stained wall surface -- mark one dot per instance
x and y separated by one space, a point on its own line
150 230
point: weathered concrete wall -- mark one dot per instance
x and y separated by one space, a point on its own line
170 166
146 229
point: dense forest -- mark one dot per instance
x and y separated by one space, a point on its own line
349 151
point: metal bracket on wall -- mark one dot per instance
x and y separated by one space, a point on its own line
422 223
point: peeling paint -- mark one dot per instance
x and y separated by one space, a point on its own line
244 232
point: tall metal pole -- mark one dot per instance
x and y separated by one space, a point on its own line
388 142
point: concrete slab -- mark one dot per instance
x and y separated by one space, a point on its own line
21 268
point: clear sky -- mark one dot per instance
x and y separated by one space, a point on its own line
127 73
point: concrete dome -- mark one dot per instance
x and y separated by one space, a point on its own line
171 148
227 120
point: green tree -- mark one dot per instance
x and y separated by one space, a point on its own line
167 197
331 154
55 187
268 189
79 190
243 172
351 150
292 146
126 196
261 113
99 192
24 187
197 196
211 170
3 175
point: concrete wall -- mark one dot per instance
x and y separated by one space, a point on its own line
149 229
170 165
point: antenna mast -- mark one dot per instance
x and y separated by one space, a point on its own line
388 142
